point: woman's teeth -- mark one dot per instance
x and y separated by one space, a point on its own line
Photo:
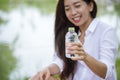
76 19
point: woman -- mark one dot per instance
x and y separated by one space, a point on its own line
97 54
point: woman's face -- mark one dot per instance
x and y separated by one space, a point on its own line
77 11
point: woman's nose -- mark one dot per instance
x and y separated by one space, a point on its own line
73 11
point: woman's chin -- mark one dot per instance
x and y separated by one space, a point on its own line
77 24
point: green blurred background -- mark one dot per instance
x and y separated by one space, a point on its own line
8 60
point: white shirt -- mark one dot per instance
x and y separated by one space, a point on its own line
102 44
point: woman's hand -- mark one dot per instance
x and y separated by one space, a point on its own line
76 48
42 75
47 73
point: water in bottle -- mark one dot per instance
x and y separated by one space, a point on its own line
71 36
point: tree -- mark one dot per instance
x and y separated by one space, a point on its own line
7 61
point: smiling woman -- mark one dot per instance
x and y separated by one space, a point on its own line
98 51
25 28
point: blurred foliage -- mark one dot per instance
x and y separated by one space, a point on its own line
7 61
118 68
57 77
1 20
102 9
21 78
119 48
117 8
46 6
26 78
4 5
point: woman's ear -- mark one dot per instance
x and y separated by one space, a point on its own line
91 6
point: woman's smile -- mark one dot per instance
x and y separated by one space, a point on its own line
76 19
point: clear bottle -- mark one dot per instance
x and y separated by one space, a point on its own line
71 36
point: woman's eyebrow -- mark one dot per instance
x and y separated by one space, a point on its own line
77 2
74 3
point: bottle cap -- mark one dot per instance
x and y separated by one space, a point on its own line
71 29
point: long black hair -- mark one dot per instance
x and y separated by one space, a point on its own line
61 27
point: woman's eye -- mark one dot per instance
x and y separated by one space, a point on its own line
66 9
77 6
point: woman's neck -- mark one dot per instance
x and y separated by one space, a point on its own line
84 27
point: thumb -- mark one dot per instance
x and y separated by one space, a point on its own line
47 75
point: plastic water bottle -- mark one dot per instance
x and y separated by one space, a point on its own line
71 36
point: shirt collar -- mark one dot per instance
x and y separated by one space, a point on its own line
91 27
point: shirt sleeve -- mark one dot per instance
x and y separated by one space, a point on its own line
56 60
108 51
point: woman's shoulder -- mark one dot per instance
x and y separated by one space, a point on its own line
104 26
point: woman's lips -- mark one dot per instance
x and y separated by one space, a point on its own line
76 20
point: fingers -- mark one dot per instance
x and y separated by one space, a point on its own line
47 76
76 44
80 57
53 78
43 75
75 52
69 44
36 77
76 48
